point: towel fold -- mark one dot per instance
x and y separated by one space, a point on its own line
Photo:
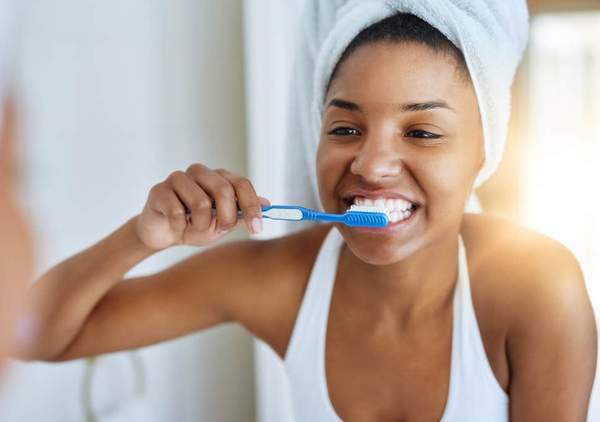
492 34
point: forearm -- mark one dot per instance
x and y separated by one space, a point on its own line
60 302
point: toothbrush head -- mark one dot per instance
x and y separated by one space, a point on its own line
366 216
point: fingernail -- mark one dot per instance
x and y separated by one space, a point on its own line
256 225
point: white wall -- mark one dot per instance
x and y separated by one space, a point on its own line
270 36
115 95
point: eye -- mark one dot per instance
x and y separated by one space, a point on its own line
344 131
422 134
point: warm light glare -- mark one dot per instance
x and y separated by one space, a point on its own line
561 164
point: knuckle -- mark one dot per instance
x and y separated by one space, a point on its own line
176 175
196 168
243 183
204 203
176 211
201 204
225 191
153 191
158 190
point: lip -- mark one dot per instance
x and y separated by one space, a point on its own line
374 194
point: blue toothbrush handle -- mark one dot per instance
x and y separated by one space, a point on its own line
351 219
313 215
307 213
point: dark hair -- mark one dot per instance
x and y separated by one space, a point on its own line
404 27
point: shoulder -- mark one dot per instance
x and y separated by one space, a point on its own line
520 259
530 287
528 278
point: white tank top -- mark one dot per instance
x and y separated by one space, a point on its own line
474 393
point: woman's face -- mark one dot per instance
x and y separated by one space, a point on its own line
401 124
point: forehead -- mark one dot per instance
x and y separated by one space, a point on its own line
393 72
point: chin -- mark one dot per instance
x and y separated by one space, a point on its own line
377 249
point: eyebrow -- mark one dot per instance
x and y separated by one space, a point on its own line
406 107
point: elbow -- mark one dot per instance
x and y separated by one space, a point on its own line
63 355
34 343
37 355
39 350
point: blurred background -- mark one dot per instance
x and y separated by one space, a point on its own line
114 95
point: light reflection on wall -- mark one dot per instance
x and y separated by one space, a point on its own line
561 158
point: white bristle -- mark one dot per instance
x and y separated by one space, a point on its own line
366 208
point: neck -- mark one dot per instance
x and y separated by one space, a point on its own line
418 286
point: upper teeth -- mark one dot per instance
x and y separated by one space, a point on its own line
391 204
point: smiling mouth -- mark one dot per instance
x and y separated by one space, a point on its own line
397 209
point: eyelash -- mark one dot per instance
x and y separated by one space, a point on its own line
334 131
424 134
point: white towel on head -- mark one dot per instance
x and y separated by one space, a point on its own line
492 34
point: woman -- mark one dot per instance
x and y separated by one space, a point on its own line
404 323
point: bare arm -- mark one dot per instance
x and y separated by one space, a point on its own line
196 294
258 284
61 299
552 344
82 307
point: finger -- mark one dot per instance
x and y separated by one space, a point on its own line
264 201
248 201
222 193
196 201
176 214
164 201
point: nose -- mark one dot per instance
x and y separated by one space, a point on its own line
376 160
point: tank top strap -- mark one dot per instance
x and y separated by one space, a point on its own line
303 356
314 309
471 376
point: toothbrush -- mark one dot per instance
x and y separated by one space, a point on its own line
356 216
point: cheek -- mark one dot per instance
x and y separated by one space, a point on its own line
330 168
446 177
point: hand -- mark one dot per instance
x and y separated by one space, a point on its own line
179 210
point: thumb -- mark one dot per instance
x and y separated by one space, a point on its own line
264 201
